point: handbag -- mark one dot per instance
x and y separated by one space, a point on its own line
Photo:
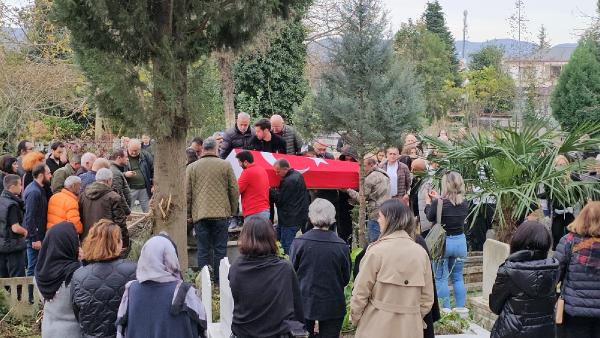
436 238
560 303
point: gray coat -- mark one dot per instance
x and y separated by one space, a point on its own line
59 319
293 142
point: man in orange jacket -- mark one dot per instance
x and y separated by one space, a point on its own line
64 205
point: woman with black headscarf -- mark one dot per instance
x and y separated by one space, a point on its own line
57 261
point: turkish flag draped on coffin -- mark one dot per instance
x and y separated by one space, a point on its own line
318 173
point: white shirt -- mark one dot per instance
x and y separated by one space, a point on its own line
392 171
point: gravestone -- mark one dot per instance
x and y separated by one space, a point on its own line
222 329
226 298
494 254
206 289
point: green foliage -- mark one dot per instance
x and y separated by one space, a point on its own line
576 99
368 96
512 166
451 323
436 24
489 56
137 54
206 101
273 82
306 119
491 90
433 64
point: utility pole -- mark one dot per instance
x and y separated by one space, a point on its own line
517 21
465 13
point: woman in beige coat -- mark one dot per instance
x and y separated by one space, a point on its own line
394 289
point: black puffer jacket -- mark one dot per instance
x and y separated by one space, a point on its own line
97 289
524 296
582 289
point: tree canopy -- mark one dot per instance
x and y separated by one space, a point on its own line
432 61
368 95
435 22
489 56
137 55
576 98
273 82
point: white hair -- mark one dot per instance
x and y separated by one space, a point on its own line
135 141
243 115
321 213
277 117
71 181
88 157
104 175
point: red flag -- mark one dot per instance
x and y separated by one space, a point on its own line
318 173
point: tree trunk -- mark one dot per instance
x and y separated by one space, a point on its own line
169 200
98 127
225 62
170 107
506 231
362 206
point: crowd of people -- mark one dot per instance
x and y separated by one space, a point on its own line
63 220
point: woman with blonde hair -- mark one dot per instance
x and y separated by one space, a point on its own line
98 286
455 210
578 253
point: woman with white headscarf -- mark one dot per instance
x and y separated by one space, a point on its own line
159 304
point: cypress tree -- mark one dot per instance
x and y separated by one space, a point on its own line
367 96
436 23
576 99
273 82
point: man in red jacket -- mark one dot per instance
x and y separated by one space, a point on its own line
254 186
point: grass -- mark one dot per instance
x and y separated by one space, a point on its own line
13 327
451 323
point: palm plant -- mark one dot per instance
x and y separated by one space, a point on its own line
512 167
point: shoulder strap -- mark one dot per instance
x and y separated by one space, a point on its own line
440 205
179 300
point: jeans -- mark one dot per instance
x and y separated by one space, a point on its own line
373 230
212 234
266 214
32 256
330 328
286 236
12 264
451 266
141 195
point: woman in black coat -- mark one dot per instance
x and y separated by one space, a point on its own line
524 294
322 261
98 286
266 296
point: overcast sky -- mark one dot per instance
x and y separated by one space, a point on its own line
488 19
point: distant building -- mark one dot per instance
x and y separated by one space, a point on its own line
542 68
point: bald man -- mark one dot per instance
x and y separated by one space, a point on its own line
320 148
420 187
293 142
